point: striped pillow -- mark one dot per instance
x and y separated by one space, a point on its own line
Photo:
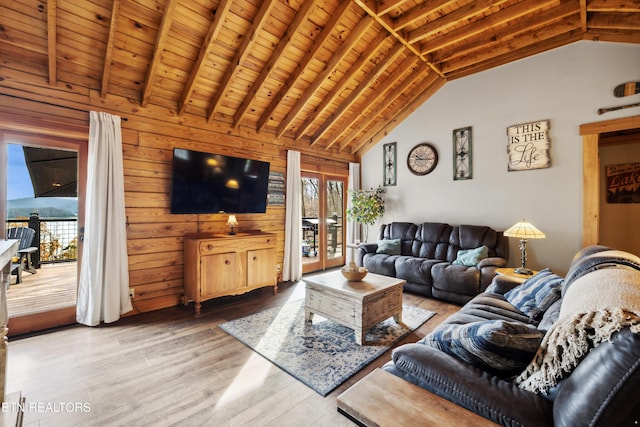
536 294
500 347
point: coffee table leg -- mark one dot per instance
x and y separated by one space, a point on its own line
398 317
360 335
308 315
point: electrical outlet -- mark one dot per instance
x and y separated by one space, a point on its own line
132 292
278 268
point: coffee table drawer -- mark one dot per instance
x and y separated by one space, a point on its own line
332 307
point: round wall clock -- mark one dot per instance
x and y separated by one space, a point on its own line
422 159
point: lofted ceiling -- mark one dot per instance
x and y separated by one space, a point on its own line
336 74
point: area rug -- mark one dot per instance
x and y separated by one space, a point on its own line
323 354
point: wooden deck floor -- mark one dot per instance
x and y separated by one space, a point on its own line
53 287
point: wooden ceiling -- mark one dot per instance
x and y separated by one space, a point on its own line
336 74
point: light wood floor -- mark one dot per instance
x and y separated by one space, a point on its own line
170 368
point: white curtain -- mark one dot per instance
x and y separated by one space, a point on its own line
353 228
103 291
292 265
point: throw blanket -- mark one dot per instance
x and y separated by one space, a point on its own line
594 307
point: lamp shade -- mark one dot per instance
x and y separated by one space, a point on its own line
232 220
524 230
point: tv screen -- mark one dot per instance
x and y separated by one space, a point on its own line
205 183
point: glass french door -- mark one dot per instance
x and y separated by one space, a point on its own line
323 231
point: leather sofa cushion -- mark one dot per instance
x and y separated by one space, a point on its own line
457 278
469 386
488 306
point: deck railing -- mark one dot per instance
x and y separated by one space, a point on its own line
56 238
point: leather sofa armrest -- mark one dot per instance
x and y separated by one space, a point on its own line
363 249
501 284
492 262
469 387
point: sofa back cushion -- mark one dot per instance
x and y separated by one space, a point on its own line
404 231
475 236
440 241
432 241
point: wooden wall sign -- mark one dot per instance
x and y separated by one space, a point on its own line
528 146
623 183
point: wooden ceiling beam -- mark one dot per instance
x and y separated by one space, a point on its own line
583 15
388 96
414 99
544 44
198 66
371 77
241 56
420 12
462 14
355 68
384 7
613 6
302 65
300 17
483 25
161 42
615 21
52 43
522 29
337 57
364 4
106 73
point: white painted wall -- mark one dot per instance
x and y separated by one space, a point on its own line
566 86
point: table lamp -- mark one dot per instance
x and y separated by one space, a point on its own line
232 222
524 231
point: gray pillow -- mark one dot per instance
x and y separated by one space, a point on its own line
389 247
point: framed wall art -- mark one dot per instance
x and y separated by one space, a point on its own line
462 154
528 146
390 163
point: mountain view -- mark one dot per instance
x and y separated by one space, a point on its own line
46 207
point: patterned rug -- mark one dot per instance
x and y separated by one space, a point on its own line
324 354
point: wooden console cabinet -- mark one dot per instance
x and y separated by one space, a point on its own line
216 265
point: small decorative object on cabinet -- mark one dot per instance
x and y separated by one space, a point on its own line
216 265
233 223
462 154
422 159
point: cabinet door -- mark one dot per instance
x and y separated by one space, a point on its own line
219 274
261 267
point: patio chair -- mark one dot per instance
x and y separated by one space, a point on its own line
23 261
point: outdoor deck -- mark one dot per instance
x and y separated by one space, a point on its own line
51 288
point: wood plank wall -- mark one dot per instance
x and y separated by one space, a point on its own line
155 236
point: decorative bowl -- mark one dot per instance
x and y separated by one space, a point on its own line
354 275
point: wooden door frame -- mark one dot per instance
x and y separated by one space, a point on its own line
69 136
590 133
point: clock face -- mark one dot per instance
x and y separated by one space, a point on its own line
422 159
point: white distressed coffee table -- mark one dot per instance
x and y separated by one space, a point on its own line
356 305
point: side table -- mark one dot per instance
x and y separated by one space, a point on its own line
511 272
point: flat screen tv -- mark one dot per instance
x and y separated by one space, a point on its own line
204 183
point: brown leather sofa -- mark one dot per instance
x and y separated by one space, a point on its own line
602 390
426 258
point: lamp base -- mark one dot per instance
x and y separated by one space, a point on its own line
523 270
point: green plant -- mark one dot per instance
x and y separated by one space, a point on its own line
366 206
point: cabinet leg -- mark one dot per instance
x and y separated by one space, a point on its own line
198 306
360 334
275 289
